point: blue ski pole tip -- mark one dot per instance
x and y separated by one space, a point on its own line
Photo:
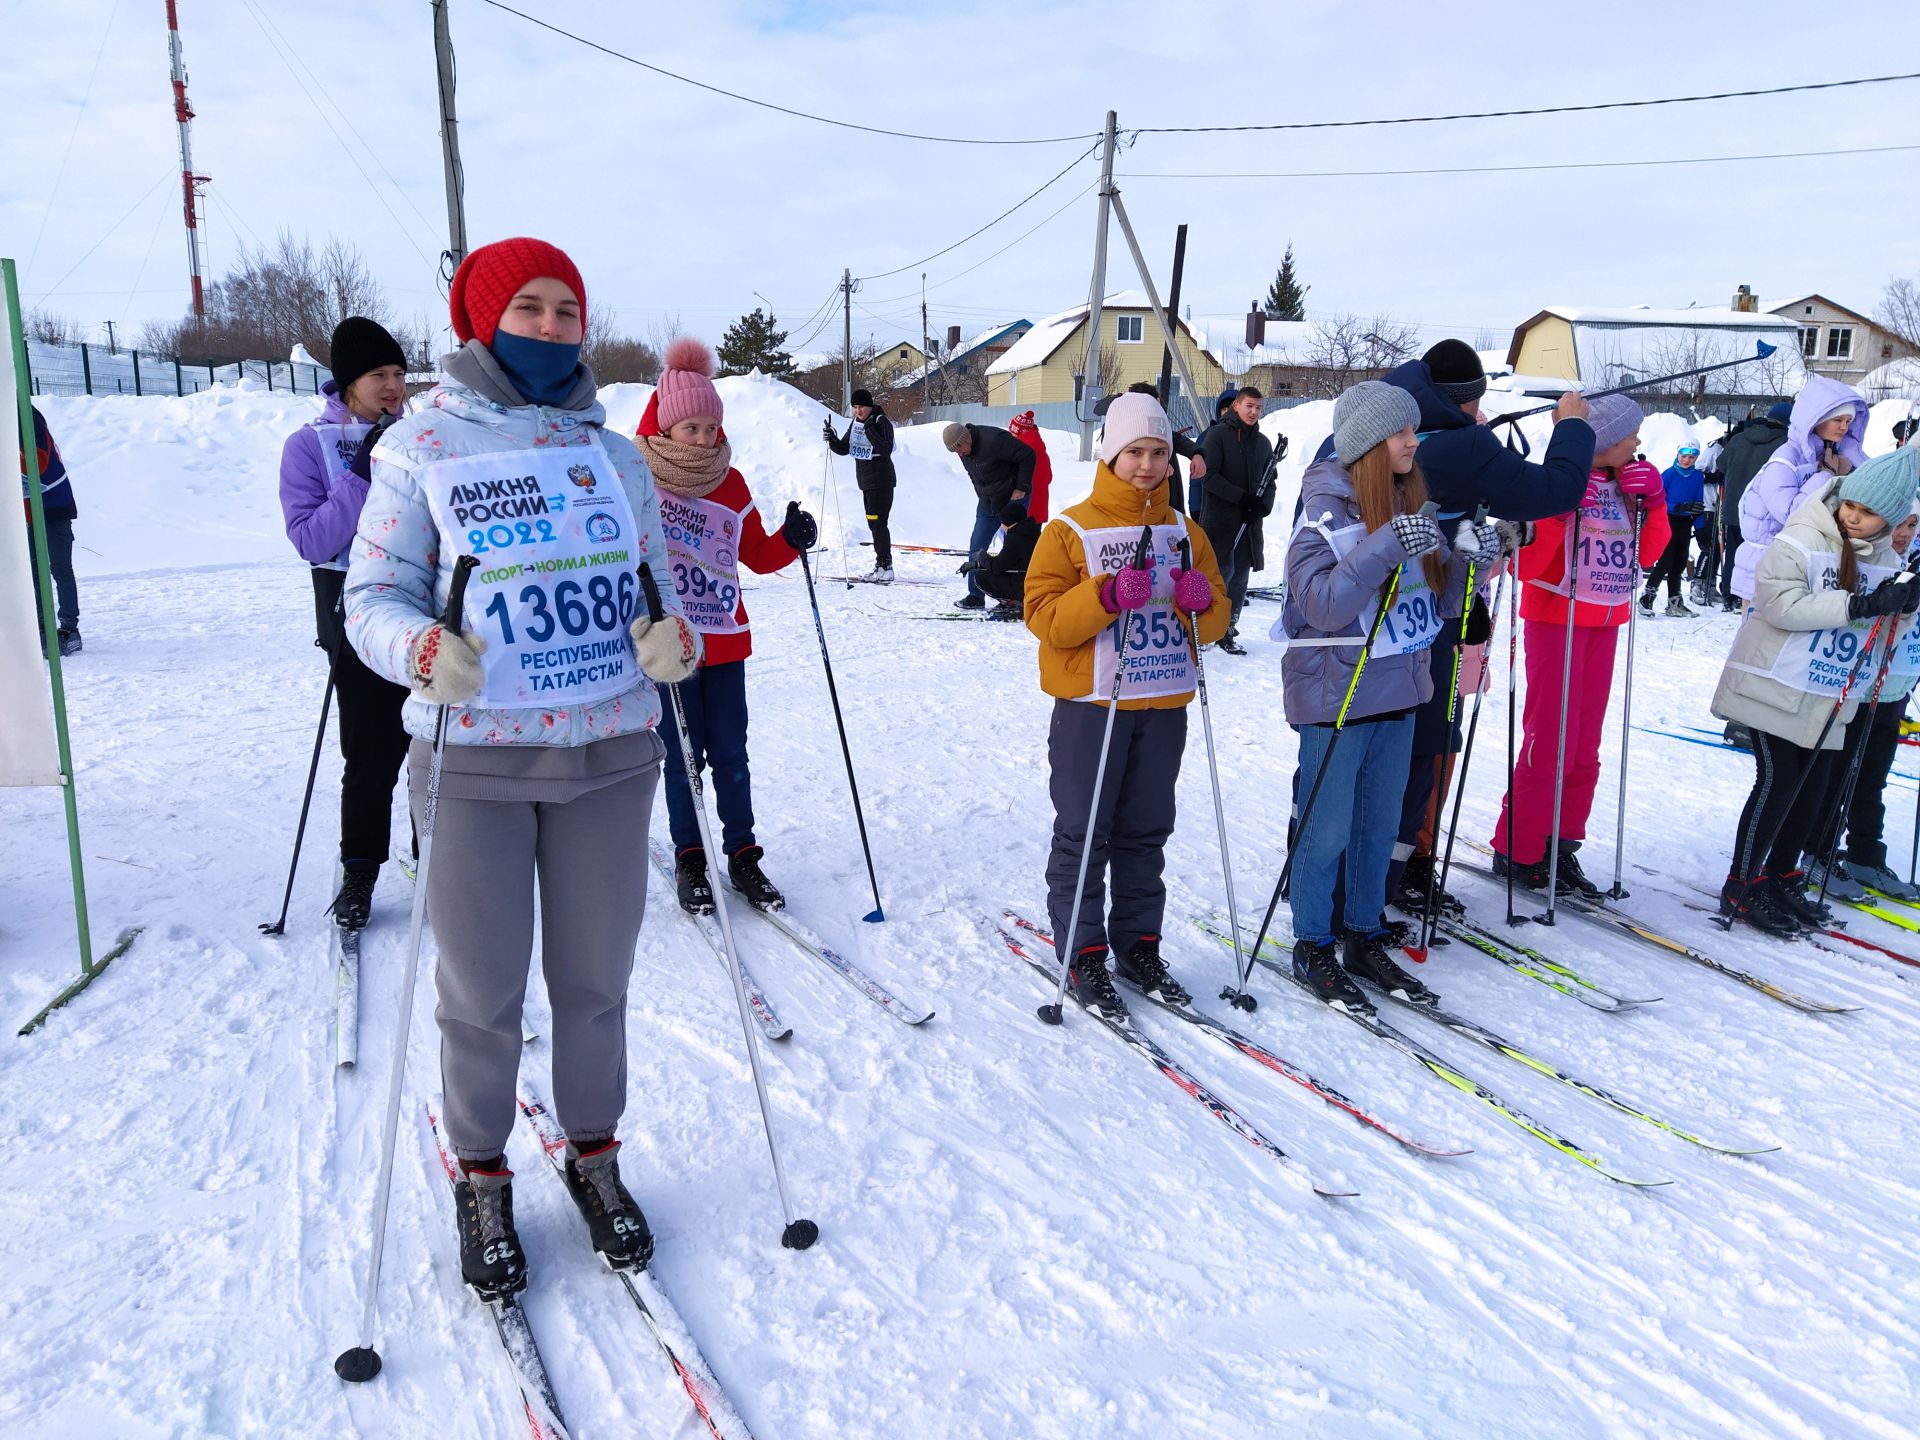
360 1363
874 916
800 1235
1764 348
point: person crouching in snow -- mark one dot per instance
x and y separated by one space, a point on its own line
1585 560
1818 590
1351 688
712 528
1082 577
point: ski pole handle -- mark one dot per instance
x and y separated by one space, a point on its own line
457 593
655 611
1143 552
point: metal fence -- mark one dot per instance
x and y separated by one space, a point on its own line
97 370
1065 414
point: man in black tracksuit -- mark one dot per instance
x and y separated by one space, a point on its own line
1001 469
869 439
1237 492
1747 447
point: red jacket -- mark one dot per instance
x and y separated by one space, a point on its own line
1545 560
1027 432
758 551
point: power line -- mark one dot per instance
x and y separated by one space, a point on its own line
782 109
1504 169
1510 114
67 154
105 235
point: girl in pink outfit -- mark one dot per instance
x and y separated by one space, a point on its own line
1598 552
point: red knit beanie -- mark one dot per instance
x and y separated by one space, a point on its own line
490 277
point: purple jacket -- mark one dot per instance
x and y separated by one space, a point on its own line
321 517
1793 474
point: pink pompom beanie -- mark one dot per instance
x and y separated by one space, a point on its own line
685 387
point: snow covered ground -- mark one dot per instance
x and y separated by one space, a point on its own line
1026 1232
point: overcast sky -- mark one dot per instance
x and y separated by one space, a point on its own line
674 200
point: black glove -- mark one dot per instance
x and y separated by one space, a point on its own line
1691 507
1892 596
362 462
827 431
1479 627
798 530
1250 509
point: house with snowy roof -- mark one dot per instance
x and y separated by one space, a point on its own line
1049 362
1839 343
959 372
1598 348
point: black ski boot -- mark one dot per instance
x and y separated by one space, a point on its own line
620 1233
1528 877
690 882
1143 968
1366 956
353 906
1412 895
1005 610
1573 880
491 1261
971 602
1752 902
1790 894
1091 983
743 868
1315 966
69 639
1230 642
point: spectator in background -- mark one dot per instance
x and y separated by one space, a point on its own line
1001 469
1687 517
1238 491
56 495
1903 432
869 439
1027 431
1743 450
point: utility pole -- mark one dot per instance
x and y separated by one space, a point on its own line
846 341
190 183
112 349
926 344
1090 387
1153 293
449 141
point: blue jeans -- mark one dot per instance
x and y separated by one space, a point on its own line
715 700
1357 813
986 525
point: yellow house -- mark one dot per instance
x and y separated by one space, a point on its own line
1043 364
1602 347
900 358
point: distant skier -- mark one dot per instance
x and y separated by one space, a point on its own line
1026 430
713 527
551 756
1824 439
869 439
1685 487
1080 580
323 485
1239 492
60 511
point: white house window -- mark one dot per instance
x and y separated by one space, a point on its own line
1131 329
1810 342
1840 342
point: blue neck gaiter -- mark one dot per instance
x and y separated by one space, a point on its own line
541 370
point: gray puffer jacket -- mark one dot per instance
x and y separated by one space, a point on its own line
1786 608
1330 605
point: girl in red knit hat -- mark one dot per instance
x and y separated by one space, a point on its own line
547 688
712 528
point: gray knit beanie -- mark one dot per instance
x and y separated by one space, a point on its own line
953 436
1613 418
1368 413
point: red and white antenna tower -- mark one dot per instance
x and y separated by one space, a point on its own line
190 183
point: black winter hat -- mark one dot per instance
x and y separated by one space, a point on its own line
1456 370
863 397
1013 513
360 345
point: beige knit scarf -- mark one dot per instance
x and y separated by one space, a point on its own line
689 471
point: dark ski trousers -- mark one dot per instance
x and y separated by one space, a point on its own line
66 592
714 699
1130 829
1672 565
1775 827
1866 817
373 739
1233 551
1729 542
878 500
589 855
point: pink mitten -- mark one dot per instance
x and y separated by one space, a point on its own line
1192 592
1641 478
1131 589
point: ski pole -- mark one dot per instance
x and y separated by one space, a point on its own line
362 1362
1053 1014
1618 891
1513 669
1761 348
1560 761
799 1234
1213 767
819 628
1238 996
1828 832
279 927
1466 755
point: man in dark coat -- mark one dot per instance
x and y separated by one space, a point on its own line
56 496
1743 450
1238 492
1001 469
869 439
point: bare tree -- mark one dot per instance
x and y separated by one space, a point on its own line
1343 350
614 357
1899 311
1486 339
272 299
51 329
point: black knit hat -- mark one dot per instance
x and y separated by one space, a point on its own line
360 345
863 397
1456 370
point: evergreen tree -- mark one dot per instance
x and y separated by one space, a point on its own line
752 343
1287 297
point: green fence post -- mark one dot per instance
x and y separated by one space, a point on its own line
86 369
136 372
179 385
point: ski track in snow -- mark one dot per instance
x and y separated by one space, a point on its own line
1024 1231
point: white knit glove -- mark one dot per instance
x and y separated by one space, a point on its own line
445 667
1417 534
668 649
1478 541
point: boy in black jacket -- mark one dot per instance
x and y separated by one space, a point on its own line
869 439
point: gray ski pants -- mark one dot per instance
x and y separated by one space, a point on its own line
1131 828
590 855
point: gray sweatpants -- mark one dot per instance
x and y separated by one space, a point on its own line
590 854
1132 825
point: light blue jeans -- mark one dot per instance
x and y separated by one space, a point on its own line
1357 813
